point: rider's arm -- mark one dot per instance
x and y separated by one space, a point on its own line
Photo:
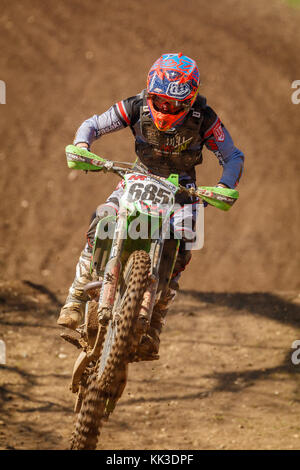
218 140
118 116
97 125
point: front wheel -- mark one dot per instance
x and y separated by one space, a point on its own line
108 378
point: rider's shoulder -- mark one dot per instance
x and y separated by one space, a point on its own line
133 105
135 100
210 116
200 102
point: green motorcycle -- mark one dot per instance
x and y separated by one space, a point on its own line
131 274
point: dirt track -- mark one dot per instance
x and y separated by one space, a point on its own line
225 379
231 331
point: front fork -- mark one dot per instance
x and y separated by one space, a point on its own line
150 293
106 301
112 271
108 292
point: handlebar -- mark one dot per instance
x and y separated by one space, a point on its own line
79 158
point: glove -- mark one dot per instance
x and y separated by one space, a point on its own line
83 145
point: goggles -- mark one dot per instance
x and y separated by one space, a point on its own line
168 106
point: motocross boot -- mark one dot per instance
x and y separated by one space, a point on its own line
72 313
149 346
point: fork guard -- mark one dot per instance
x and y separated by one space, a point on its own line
148 300
79 367
85 358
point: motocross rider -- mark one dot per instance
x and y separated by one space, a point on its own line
171 123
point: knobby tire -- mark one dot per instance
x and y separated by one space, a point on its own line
102 383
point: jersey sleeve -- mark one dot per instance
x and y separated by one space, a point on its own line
120 115
218 140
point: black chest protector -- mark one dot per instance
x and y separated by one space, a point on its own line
177 150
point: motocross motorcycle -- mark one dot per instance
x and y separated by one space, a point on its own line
130 276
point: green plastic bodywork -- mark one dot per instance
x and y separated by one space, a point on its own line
76 164
102 247
174 178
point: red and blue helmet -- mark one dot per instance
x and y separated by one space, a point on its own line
172 86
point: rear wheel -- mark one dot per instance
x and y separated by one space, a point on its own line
108 378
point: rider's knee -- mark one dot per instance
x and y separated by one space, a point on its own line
109 208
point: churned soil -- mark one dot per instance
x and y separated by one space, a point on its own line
225 379
66 61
